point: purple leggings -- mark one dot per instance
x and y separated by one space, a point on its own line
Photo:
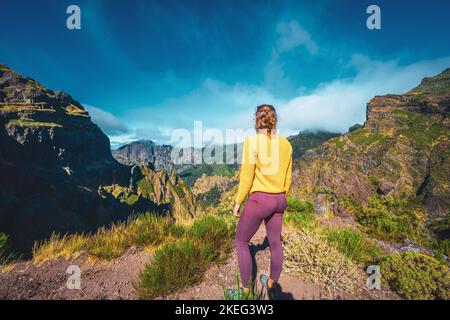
261 206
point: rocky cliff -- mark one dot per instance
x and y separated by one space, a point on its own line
402 151
56 166
308 139
146 152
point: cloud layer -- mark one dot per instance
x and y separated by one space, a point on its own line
333 105
109 123
336 105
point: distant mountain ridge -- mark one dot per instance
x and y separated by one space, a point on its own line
146 152
158 157
308 139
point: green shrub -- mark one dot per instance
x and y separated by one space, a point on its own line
212 197
150 229
416 276
211 233
394 220
173 267
209 230
181 263
300 214
353 244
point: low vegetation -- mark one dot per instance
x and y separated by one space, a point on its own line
184 261
309 255
241 295
300 214
5 256
416 276
353 244
109 243
441 248
364 137
419 128
394 220
26 123
191 174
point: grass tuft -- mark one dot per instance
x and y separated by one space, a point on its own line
183 262
109 243
173 267
300 214
353 244
307 254
5 255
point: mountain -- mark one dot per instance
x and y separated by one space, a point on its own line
308 139
158 157
146 152
57 173
397 163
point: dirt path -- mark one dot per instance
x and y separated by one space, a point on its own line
293 288
224 276
102 280
114 279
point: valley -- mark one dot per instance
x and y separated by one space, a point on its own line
142 227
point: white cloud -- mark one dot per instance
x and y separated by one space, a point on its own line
338 104
109 123
216 104
292 35
332 106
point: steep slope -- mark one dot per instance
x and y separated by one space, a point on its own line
307 139
54 164
159 157
401 151
146 152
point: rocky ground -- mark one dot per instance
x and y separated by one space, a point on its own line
99 280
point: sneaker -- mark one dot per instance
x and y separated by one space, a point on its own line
235 294
264 281
274 292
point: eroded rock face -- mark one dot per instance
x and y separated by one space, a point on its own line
55 163
146 152
402 150
48 127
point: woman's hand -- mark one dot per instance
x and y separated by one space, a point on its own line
236 210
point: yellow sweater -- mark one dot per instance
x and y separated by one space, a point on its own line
266 166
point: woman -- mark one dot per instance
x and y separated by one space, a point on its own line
266 173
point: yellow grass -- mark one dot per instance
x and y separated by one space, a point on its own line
108 243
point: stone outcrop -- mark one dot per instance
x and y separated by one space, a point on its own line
402 150
57 173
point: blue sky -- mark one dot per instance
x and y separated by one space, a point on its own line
145 68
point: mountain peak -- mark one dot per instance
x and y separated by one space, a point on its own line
438 85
